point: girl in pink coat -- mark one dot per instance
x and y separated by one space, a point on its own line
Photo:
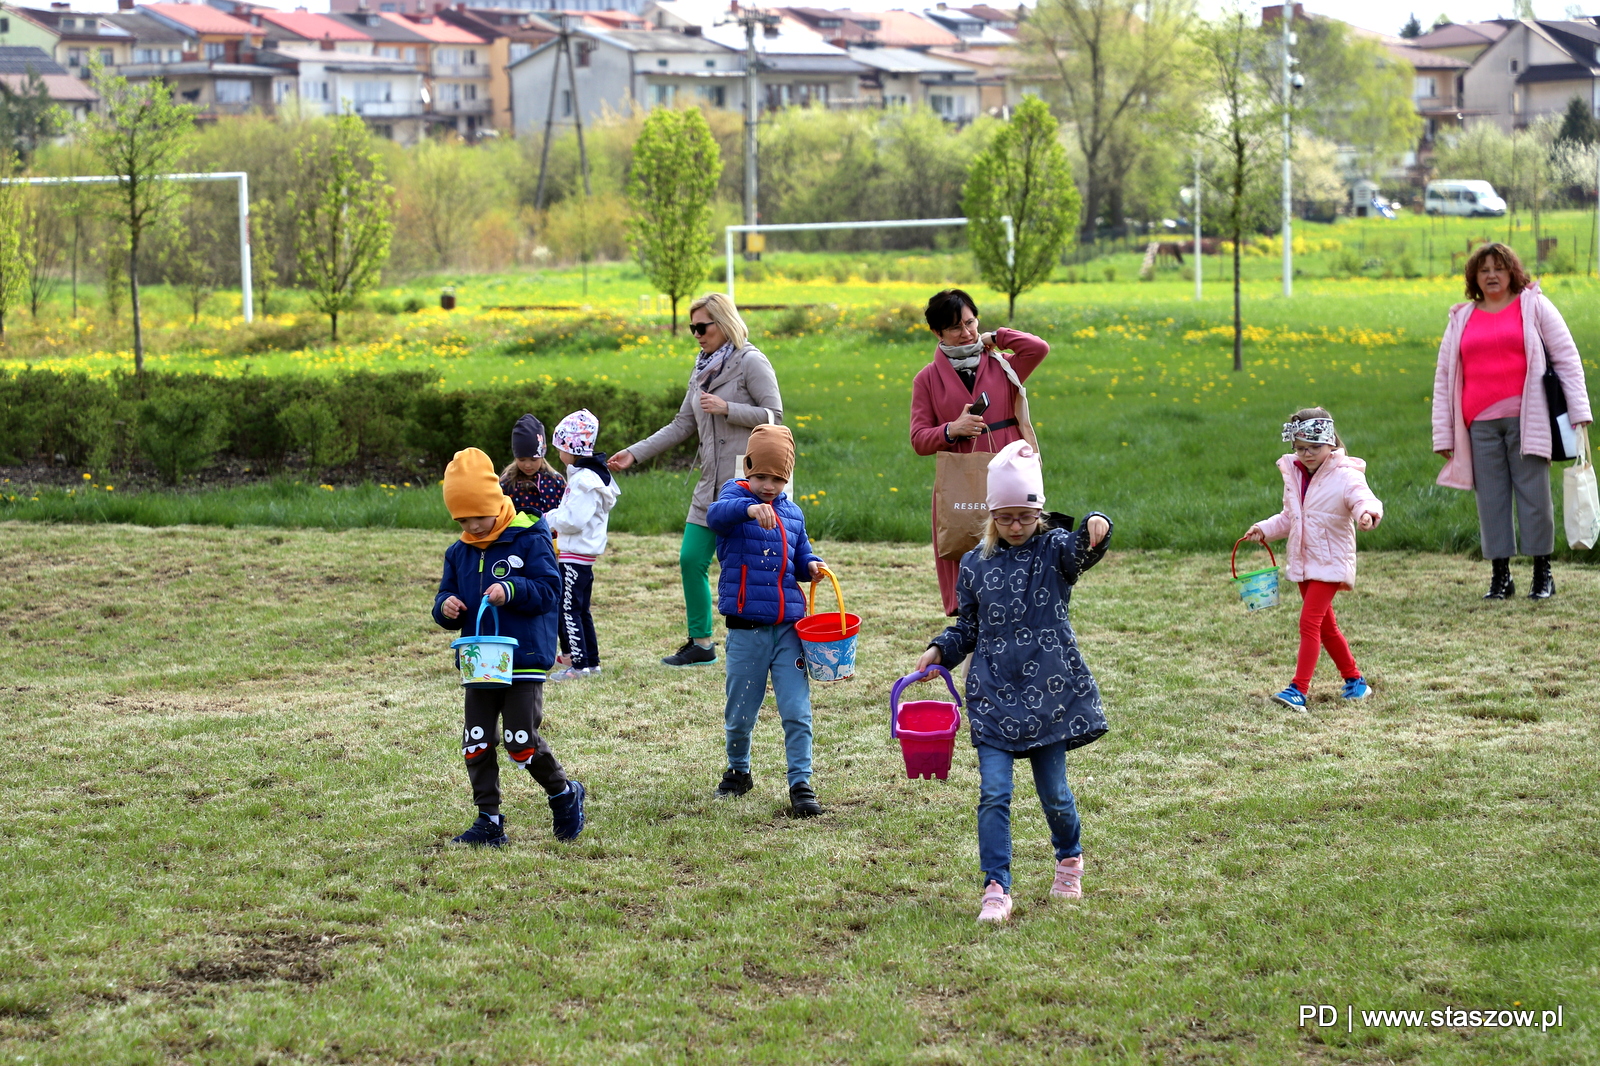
1325 499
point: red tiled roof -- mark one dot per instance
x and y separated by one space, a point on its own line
311 26
433 29
203 18
904 29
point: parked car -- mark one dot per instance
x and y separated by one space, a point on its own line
1462 198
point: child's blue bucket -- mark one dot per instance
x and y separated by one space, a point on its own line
828 640
1259 588
485 661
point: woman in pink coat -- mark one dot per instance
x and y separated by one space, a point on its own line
1491 420
944 390
1325 498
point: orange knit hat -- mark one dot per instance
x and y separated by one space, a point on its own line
472 490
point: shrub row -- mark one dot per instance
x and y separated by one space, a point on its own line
181 423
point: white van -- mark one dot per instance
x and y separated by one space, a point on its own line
1462 198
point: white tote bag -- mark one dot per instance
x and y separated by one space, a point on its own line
1580 500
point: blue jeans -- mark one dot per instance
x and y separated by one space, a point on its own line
994 806
751 655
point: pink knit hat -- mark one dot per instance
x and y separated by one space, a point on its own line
1015 477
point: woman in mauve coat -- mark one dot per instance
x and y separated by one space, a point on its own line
962 370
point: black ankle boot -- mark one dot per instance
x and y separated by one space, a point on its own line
1501 587
1544 584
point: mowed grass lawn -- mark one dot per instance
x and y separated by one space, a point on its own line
232 766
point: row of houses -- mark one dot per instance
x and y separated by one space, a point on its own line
409 67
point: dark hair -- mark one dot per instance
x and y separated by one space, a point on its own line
944 309
1316 412
1508 259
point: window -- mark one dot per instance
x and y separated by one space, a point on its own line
107 57
1513 66
314 90
566 103
520 51
69 24
5 25
1426 88
662 63
232 91
711 64
447 56
661 95
896 100
215 51
584 48
384 131
147 55
391 8
449 90
469 91
410 55
174 55
944 106
281 91
713 95
77 57
813 93
469 57
388 51
372 92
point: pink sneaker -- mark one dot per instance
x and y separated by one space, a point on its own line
996 904
1069 875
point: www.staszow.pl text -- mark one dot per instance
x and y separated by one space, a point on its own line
1327 1016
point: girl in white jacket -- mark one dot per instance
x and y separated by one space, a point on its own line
581 521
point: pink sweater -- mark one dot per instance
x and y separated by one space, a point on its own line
1321 524
1544 336
1494 361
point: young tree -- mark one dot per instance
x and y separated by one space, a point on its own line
16 242
1241 119
342 211
1023 173
264 250
28 117
1578 126
45 248
186 253
1113 64
676 163
1412 28
139 134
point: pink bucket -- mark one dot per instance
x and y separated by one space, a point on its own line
926 729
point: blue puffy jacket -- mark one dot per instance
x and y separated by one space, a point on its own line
759 565
524 561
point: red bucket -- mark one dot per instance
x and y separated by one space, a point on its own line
926 729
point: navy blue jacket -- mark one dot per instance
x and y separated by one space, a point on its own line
759 565
1028 686
524 561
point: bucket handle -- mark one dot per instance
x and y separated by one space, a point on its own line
1234 560
811 601
911 679
477 624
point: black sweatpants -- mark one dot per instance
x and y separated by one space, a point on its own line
577 624
520 707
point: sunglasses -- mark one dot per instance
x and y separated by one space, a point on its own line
699 328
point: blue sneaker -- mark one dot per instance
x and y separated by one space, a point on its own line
1356 688
489 831
567 811
1291 698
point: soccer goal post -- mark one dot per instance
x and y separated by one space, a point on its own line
247 304
891 223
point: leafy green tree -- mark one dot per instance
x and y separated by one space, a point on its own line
1023 173
343 209
1239 126
28 117
676 163
1412 28
44 248
1356 93
186 251
264 242
139 135
1578 126
16 242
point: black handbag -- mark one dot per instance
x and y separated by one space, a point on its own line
1563 442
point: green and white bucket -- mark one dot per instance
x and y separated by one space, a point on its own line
1258 588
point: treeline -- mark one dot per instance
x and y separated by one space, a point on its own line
178 425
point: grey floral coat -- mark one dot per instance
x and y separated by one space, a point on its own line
1028 686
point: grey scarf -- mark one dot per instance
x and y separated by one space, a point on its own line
709 364
963 356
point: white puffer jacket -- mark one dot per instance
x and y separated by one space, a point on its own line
584 512
1322 528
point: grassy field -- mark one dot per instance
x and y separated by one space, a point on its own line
233 769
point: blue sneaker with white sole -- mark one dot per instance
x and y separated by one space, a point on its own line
1291 698
489 831
567 811
1356 688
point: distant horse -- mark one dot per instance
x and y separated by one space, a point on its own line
1169 250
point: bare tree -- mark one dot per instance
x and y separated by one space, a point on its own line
43 276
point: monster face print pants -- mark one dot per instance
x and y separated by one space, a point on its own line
512 713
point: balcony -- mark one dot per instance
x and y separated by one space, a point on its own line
384 109
460 70
463 107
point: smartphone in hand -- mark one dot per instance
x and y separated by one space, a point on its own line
980 405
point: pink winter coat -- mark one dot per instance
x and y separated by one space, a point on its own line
1544 336
1322 528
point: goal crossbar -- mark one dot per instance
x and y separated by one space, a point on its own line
245 281
890 223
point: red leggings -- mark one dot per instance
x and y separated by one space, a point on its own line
1319 629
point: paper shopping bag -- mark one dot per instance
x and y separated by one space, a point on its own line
1580 499
961 502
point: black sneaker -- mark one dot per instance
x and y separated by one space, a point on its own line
489 831
803 802
692 654
734 783
567 811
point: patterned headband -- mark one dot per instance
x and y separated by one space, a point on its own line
1312 431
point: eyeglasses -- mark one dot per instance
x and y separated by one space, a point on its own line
1017 520
699 328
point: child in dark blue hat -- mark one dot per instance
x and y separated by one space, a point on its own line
533 486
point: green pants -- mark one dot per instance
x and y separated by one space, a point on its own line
694 559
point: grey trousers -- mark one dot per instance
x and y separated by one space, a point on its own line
1500 472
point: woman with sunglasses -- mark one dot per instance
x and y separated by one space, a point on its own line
732 389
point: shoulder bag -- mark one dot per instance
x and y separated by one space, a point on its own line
1580 501
1563 444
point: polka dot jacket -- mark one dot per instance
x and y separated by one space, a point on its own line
1028 685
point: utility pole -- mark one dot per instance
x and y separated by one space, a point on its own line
752 19
563 47
1291 82
1199 256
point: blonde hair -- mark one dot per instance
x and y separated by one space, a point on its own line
991 535
725 315
513 474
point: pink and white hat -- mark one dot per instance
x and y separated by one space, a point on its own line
576 433
1015 477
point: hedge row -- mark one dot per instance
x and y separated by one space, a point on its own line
182 423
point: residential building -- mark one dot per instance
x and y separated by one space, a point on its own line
1463 40
510 36
1005 21
883 29
457 72
221 37
17 30
391 39
798 67
1437 82
156 41
975 31
82 38
321 80
303 25
904 78
1534 70
996 72
20 63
